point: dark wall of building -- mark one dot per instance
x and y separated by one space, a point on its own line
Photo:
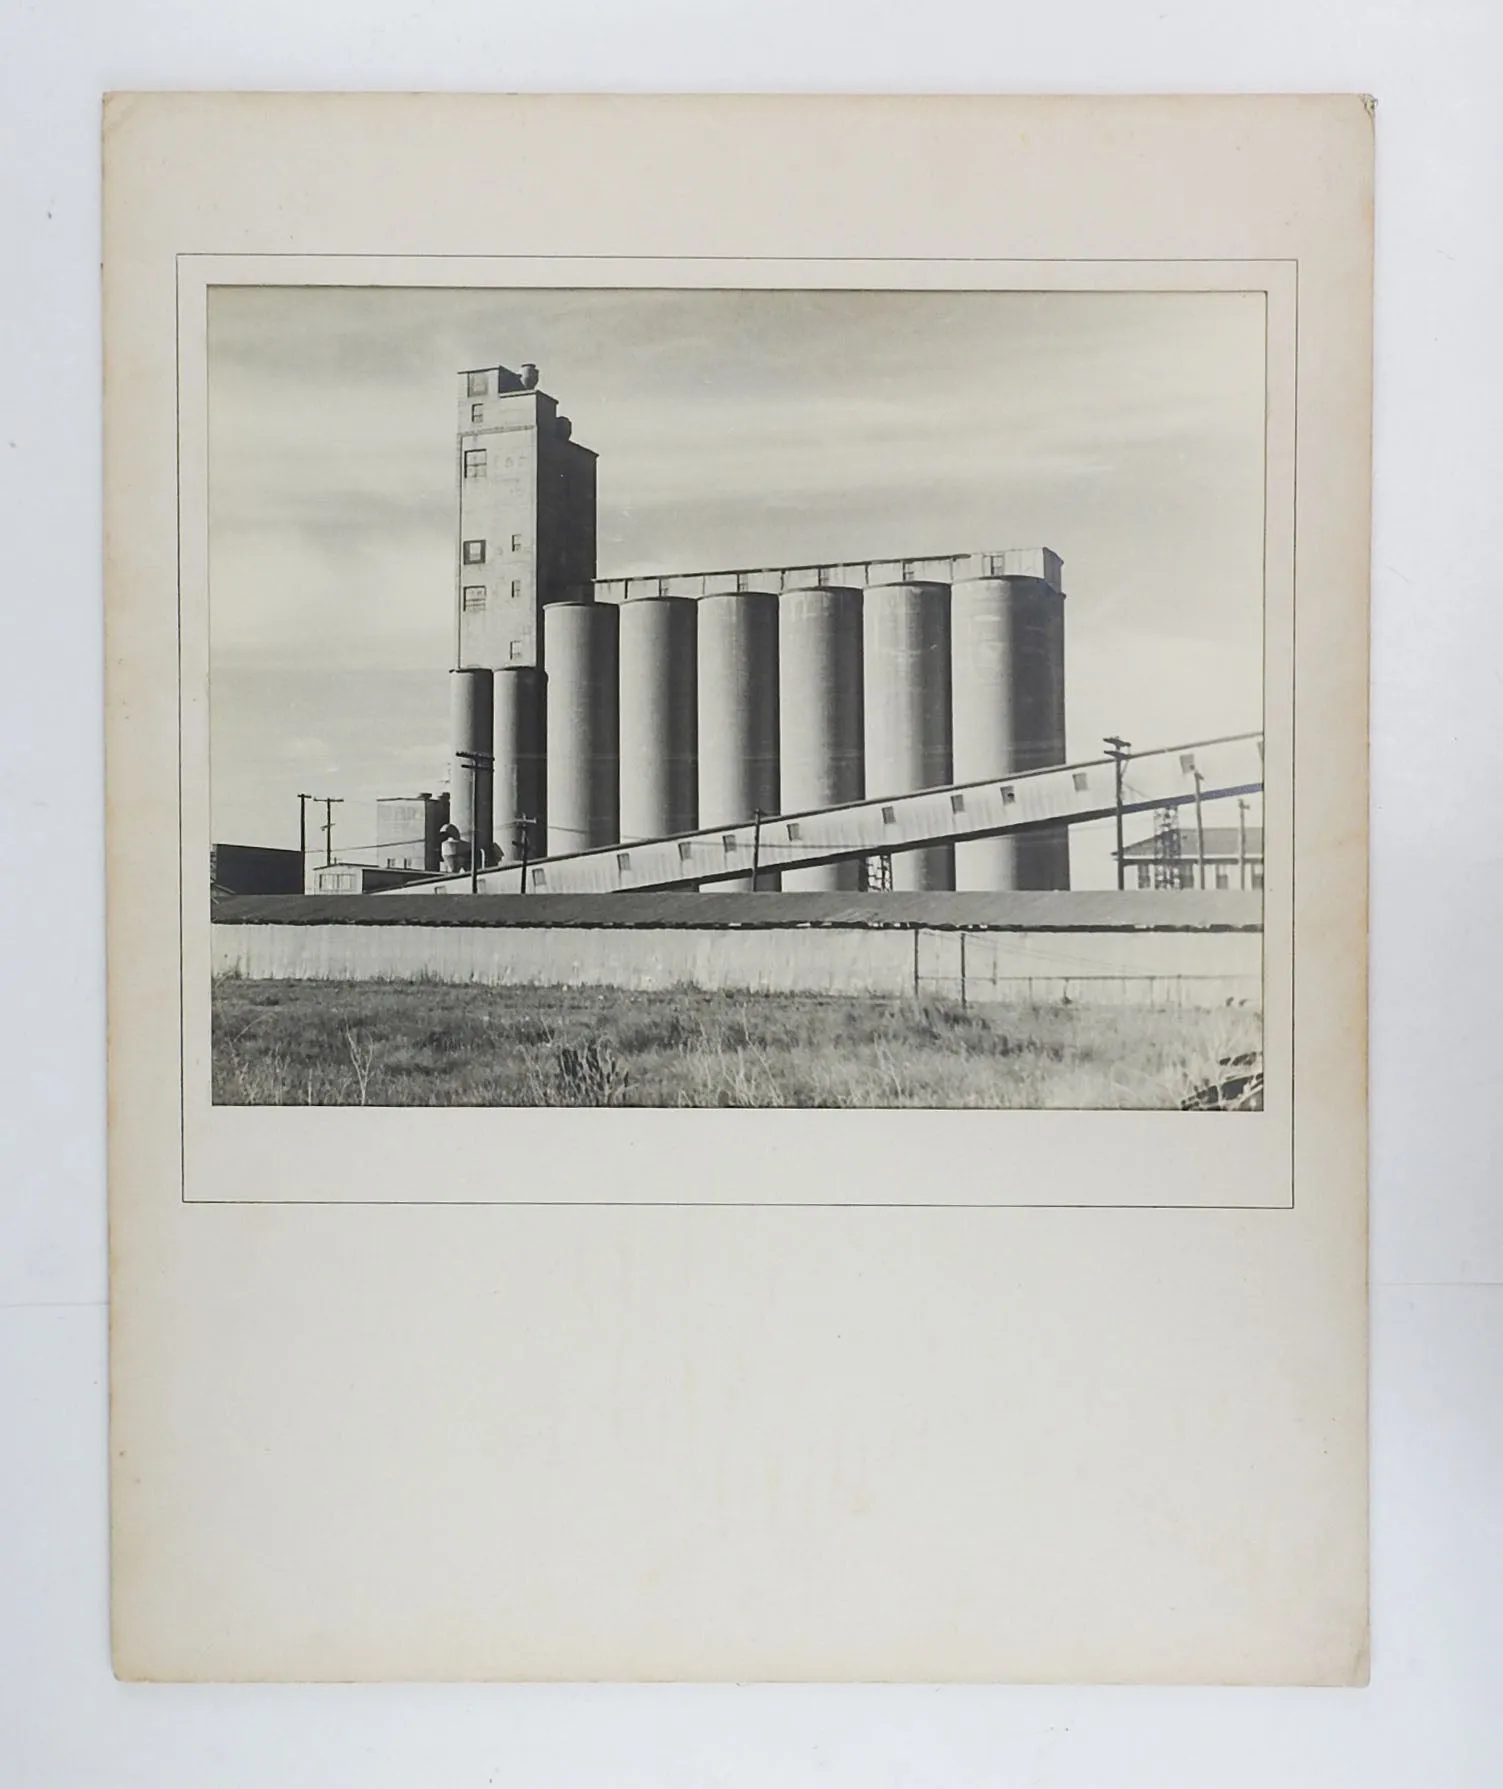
255 869
566 517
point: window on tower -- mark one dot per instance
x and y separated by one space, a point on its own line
474 552
472 597
477 412
479 384
516 543
474 462
515 649
516 588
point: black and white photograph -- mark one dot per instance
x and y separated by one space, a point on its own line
737 802
737 697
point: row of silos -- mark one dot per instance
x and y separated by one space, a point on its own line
669 713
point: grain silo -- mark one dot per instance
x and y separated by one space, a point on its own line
659 717
519 796
629 708
738 714
580 651
1007 691
907 705
820 717
470 712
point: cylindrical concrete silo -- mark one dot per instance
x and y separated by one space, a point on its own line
1007 695
520 791
580 652
659 717
738 714
820 719
470 710
1058 838
907 701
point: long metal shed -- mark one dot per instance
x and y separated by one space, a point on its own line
1094 910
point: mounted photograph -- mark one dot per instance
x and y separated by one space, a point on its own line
736 697
738 797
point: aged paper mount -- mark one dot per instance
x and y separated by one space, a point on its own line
535 1392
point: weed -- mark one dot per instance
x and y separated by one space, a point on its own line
363 1057
439 1044
589 1074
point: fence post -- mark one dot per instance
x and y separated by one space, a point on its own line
915 962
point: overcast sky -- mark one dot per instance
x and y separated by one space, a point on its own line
1125 431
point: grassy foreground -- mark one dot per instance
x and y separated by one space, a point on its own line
436 1044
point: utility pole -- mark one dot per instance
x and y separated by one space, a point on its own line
1200 833
474 762
756 846
1118 750
1241 842
330 802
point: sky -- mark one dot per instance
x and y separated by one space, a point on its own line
1124 430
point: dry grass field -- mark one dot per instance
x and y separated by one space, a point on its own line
437 1044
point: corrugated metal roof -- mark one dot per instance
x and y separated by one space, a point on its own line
1076 910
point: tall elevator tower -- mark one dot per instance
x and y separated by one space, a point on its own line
525 539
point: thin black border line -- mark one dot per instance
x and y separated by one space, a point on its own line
714 1204
902 260
227 254
1263 691
1293 746
182 968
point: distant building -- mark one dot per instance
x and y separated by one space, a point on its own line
407 831
359 878
254 869
1170 858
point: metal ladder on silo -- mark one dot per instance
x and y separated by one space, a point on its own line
876 873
